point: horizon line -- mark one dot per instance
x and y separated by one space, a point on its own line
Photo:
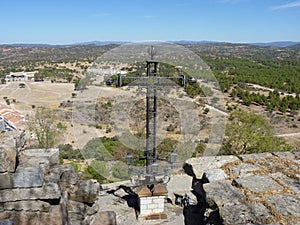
127 41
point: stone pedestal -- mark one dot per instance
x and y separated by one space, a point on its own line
152 203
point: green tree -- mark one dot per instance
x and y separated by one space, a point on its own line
43 126
247 132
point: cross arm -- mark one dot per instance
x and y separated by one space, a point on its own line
151 81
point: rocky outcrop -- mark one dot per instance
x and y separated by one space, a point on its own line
36 189
249 189
8 153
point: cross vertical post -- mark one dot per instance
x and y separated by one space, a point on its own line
151 104
151 82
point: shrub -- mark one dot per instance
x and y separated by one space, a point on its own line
247 133
96 170
120 170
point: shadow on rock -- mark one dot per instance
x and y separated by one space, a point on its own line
129 196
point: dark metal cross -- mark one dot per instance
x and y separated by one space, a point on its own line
152 81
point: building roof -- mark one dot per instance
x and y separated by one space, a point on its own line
11 115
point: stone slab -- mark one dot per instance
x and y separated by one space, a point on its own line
31 161
51 155
179 184
214 175
87 192
243 169
6 181
204 164
53 217
244 214
221 192
48 191
8 156
27 206
284 155
255 157
293 184
286 204
28 177
104 218
67 174
77 207
258 184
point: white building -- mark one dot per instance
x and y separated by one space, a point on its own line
20 76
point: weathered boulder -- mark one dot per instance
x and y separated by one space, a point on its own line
6 181
293 184
38 156
214 175
233 213
222 192
179 185
67 174
102 218
255 157
8 157
28 177
258 184
202 165
243 169
53 217
49 191
287 205
8 151
27 206
87 192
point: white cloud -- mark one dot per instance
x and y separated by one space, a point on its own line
287 6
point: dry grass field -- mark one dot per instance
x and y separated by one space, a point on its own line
78 133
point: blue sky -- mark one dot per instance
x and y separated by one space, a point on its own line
72 21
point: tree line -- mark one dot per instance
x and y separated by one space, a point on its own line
274 100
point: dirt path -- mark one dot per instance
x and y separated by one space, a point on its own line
288 135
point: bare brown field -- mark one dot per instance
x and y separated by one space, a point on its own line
51 95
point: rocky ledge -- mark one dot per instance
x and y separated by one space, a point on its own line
249 189
36 189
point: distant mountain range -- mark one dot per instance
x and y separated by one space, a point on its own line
279 44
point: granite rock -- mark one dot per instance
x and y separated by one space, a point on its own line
47 192
180 185
244 213
258 184
27 206
8 157
286 204
214 175
243 169
103 218
204 164
6 181
28 177
87 192
221 192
